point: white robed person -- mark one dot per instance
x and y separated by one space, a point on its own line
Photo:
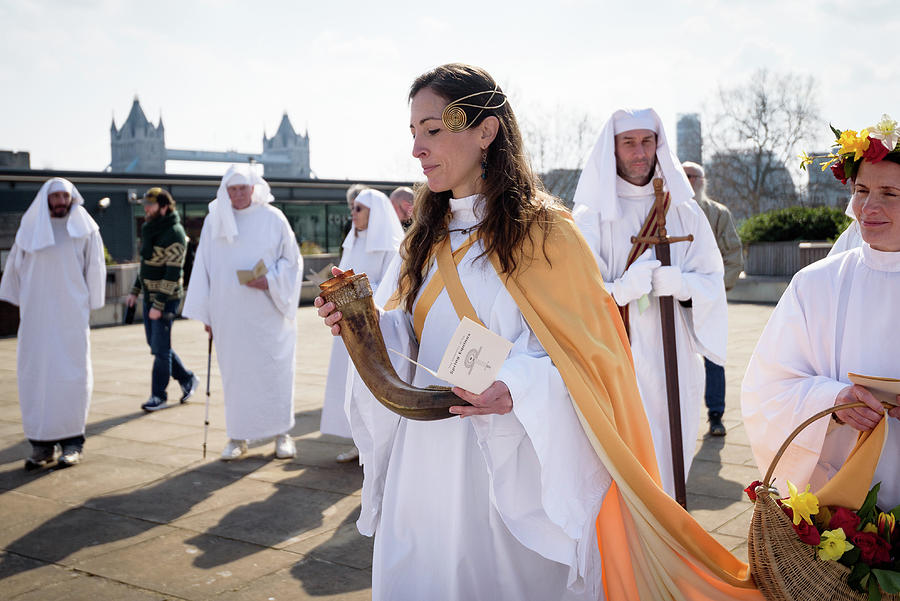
835 318
55 273
370 246
253 325
612 202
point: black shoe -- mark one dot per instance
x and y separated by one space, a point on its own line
70 456
716 427
40 456
154 403
189 389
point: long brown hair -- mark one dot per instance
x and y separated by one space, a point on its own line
513 199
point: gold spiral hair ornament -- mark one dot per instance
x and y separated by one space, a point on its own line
454 115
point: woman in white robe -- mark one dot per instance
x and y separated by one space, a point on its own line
370 246
499 505
835 317
253 325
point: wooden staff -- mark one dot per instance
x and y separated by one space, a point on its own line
670 356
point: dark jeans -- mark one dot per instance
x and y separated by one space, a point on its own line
715 387
166 363
66 443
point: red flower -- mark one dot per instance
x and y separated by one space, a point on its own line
837 168
808 533
873 549
751 490
846 519
875 152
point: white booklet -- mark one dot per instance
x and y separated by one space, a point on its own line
472 359
883 389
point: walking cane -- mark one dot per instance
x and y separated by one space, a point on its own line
208 370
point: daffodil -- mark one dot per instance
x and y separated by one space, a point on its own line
833 545
887 131
804 504
805 160
851 142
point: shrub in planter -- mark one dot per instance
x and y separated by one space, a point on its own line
794 223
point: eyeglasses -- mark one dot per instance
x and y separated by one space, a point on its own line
694 176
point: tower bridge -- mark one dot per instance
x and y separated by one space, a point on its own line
138 146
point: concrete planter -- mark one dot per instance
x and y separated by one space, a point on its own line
119 279
782 259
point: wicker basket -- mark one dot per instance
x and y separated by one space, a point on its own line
783 567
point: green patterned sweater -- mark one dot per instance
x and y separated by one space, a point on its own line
163 245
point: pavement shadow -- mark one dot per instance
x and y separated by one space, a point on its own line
709 490
109 518
297 507
16 453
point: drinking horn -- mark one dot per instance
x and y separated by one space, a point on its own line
361 333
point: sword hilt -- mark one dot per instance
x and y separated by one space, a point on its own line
662 238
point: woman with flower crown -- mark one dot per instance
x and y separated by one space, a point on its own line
835 317
548 487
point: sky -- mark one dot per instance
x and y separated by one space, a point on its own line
221 73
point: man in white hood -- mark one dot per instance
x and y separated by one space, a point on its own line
613 202
253 323
56 274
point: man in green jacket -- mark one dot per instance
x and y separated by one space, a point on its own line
733 258
163 246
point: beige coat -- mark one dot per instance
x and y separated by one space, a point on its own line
726 237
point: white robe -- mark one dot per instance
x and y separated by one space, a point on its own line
700 331
254 330
55 288
834 318
497 507
849 238
374 265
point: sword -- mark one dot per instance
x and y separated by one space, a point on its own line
670 356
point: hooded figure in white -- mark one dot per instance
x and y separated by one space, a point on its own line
610 210
56 274
369 249
253 325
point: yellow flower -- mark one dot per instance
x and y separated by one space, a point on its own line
803 504
870 527
805 160
833 545
850 142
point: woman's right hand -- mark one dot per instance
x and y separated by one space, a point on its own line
327 310
859 418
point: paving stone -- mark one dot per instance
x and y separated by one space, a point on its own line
280 516
310 579
22 575
189 565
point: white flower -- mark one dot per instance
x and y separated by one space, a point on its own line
886 131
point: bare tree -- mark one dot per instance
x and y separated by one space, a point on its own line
756 132
558 142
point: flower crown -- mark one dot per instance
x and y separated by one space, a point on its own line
851 148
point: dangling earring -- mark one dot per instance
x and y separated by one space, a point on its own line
484 164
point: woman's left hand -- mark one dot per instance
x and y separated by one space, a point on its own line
496 399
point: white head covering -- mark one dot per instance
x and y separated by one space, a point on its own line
220 210
597 184
35 231
384 232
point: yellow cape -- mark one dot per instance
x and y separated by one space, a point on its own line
652 549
